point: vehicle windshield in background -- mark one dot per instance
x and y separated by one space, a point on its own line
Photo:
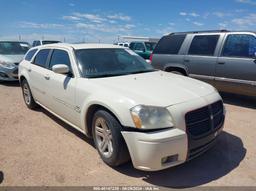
95 63
12 48
49 42
150 46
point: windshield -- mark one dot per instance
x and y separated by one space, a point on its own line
150 46
95 63
49 42
12 48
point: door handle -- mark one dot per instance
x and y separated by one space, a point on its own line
221 63
47 77
186 60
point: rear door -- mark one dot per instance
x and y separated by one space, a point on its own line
236 68
201 57
38 73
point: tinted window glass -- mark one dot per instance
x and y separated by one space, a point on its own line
60 57
203 45
139 46
240 45
41 57
132 45
49 42
30 54
150 46
170 44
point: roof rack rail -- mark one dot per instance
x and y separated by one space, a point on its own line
205 31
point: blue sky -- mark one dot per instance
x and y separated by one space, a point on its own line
105 20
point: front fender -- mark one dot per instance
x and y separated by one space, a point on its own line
117 107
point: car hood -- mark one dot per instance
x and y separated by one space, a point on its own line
155 88
12 58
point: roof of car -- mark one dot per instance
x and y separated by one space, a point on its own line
210 31
80 46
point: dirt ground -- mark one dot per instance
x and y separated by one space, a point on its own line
37 149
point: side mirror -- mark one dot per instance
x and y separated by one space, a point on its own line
60 69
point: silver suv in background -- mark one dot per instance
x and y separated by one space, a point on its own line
223 58
43 42
11 53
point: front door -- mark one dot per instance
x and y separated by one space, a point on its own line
62 88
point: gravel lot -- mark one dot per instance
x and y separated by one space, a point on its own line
38 149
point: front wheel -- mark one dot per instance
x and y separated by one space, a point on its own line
27 95
108 139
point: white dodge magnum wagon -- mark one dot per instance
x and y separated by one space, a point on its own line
132 111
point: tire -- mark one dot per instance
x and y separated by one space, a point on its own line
27 95
108 139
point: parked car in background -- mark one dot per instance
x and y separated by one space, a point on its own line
144 49
43 42
124 44
11 53
131 110
225 59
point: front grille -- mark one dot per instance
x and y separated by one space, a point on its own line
205 120
16 63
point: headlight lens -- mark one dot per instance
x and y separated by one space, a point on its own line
7 65
151 117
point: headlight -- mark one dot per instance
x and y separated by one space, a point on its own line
7 65
151 117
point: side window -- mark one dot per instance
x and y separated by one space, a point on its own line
30 54
170 44
240 45
132 46
139 47
203 45
60 57
41 57
34 43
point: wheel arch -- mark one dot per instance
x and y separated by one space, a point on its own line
176 67
90 111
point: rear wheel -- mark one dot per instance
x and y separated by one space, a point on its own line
108 139
27 95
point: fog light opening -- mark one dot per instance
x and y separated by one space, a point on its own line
169 159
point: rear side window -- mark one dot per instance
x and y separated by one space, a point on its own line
170 44
41 57
203 45
240 45
139 46
30 54
132 45
60 57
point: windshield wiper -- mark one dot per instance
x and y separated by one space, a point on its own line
142 71
104 75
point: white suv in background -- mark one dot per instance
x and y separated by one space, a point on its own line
131 110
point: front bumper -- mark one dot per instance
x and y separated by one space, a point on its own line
149 150
9 74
